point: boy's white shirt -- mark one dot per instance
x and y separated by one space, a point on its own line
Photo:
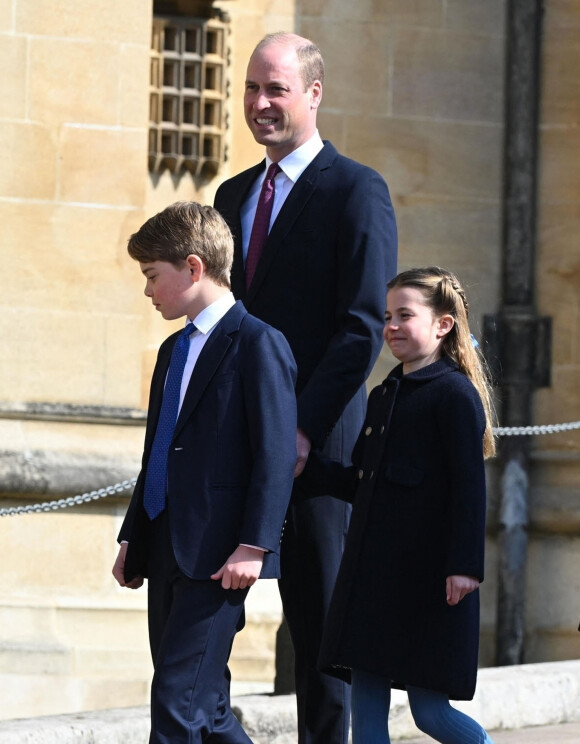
204 323
293 165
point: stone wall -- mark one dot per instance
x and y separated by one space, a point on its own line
553 578
73 186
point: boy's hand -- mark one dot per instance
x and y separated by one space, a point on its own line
458 586
242 568
119 567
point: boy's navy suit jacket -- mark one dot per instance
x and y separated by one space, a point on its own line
231 461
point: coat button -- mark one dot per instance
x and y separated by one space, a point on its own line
360 474
372 475
384 389
382 429
368 431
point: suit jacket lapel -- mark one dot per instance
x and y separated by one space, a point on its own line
156 393
208 362
291 209
238 277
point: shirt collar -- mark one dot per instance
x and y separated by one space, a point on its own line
299 159
211 315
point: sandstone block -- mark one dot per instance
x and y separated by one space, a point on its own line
425 13
14 83
447 159
133 76
6 15
35 146
560 179
72 81
448 75
103 166
368 59
110 21
560 86
474 16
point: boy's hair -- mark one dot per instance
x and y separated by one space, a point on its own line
444 295
309 55
184 228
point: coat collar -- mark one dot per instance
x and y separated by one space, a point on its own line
432 371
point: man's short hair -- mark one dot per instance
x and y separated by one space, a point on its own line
309 55
182 229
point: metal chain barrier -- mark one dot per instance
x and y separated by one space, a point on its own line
101 493
46 506
514 431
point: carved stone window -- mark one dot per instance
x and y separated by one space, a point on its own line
188 92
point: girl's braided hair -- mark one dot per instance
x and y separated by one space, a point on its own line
445 296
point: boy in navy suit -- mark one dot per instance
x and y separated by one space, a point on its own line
205 519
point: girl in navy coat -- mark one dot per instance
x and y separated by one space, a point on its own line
405 609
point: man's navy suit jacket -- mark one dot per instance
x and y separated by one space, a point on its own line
232 458
322 280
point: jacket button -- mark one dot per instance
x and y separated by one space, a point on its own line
368 431
384 389
360 474
382 429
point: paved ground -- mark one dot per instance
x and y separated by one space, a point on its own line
565 733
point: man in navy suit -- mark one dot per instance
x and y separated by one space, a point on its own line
213 526
320 279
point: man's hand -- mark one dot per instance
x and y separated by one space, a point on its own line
303 446
242 568
458 586
119 567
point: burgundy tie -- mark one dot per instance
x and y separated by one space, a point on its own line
261 223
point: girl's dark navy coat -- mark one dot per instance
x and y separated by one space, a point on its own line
418 517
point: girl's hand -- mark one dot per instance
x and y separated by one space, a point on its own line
458 586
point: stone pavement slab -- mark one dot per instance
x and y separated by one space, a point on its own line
534 703
563 733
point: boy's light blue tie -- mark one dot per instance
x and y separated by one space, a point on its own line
156 475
